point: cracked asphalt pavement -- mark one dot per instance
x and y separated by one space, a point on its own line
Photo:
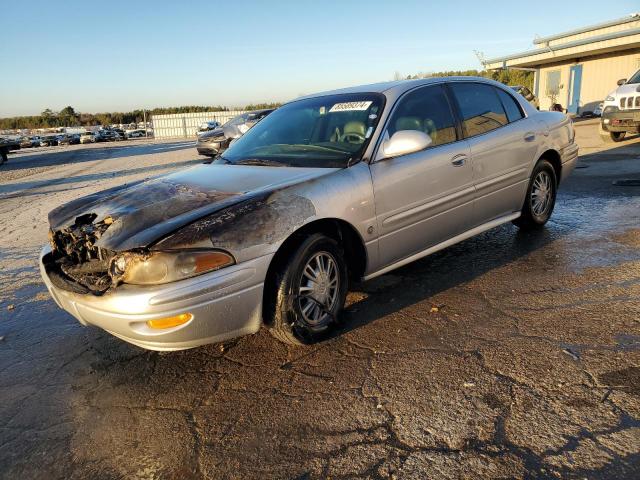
510 355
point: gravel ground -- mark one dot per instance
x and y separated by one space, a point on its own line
510 355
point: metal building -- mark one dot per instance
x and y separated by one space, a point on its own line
186 125
577 69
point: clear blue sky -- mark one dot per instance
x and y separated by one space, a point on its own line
116 56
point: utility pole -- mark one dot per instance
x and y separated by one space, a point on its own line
144 116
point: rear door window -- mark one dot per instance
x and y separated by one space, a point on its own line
480 108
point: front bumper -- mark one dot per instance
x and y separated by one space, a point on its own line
225 304
210 149
621 121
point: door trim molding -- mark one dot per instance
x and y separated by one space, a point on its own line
447 243
446 198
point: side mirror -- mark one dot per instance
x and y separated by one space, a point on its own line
405 141
622 81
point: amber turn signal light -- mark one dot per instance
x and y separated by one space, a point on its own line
169 322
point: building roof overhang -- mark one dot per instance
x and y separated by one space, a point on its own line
584 47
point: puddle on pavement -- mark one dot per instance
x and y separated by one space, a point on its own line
634 182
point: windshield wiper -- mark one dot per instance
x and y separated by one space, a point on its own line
311 147
221 158
260 162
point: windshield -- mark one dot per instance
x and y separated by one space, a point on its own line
635 78
329 131
238 120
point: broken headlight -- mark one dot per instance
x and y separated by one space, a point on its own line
164 267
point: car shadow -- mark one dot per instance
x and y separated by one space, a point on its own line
461 263
7 191
449 268
81 153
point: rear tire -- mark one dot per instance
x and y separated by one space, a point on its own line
300 311
541 197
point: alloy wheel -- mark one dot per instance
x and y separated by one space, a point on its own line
319 289
541 194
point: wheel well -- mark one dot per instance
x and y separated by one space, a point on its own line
345 234
554 158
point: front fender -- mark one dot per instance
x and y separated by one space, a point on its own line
260 225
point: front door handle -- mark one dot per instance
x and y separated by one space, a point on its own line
529 137
459 160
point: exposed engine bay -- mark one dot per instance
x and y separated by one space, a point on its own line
75 262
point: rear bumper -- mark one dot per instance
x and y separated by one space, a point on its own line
621 121
224 305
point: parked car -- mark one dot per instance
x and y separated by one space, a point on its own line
119 134
104 136
50 141
597 112
272 232
73 139
217 141
621 114
528 95
136 134
29 142
208 126
8 144
87 137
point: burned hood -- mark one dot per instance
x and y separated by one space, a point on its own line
138 214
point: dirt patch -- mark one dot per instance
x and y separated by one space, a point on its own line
627 379
630 238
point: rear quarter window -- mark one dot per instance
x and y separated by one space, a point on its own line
513 110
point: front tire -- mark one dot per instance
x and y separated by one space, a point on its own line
308 292
617 136
609 137
541 197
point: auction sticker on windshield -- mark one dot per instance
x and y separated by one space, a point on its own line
350 106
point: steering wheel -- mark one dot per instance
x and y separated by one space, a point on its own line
353 138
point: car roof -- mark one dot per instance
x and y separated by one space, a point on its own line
268 110
396 88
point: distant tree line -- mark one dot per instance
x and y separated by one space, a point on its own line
506 76
261 106
68 117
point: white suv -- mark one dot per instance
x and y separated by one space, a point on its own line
621 114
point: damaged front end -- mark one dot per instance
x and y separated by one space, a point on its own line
75 263
173 227
78 264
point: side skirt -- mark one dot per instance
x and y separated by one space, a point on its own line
447 243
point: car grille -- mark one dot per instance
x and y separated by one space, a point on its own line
629 102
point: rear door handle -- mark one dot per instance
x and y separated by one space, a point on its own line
459 160
529 137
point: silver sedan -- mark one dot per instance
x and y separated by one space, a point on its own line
331 188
